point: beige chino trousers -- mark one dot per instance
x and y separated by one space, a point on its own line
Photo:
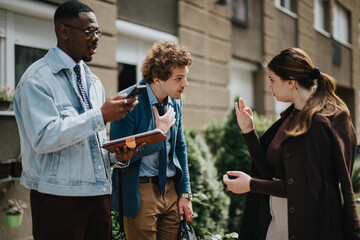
158 217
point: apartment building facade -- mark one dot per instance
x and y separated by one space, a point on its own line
229 41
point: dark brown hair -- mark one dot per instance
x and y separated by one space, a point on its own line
162 57
294 63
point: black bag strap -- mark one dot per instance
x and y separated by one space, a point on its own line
186 231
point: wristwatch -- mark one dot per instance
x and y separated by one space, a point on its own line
186 195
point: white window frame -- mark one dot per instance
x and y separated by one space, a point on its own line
341 25
133 42
238 69
285 10
34 11
319 13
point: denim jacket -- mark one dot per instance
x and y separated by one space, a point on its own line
60 142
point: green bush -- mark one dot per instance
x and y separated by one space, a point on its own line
210 203
355 178
226 142
115 226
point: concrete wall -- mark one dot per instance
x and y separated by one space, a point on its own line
104 61
205 29
247 43
270 50
160 14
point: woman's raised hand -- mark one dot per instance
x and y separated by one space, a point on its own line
244 116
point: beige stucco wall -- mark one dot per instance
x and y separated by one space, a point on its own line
247 41
104 61
205 29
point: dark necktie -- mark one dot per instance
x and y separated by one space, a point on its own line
163 153
81 87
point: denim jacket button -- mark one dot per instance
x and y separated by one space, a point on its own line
95 143
99 167
104 189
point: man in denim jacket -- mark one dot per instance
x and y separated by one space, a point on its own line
61 112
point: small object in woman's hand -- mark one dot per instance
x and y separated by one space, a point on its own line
231 177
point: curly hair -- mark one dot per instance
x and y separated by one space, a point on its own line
161 58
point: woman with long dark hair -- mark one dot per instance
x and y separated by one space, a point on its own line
300 184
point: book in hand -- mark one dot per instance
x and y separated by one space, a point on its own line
132 141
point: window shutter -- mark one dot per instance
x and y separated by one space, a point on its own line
34 32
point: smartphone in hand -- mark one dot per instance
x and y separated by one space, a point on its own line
137 91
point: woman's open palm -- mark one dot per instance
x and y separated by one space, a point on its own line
244 116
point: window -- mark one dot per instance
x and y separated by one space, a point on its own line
23 40
242 82
126 75
287 6
240 12
24 57
341 24
321 15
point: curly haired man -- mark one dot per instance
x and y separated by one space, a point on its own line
153 203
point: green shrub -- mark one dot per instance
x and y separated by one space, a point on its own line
355 178
115 226
226 142
212 133
210 203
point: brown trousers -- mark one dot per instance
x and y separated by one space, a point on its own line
70 218
158 217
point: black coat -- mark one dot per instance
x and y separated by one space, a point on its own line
317 165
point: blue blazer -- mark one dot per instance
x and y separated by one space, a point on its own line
135 122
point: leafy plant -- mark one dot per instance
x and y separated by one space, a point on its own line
226 142
6 94
355 178
115 227
228 236
210 203
15 207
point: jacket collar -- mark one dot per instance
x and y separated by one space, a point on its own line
54 61
56 65
287 111
268 136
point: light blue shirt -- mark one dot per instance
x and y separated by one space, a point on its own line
150 163
71 64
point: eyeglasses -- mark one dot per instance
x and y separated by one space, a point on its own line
89 33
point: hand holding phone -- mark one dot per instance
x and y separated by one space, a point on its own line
137 91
